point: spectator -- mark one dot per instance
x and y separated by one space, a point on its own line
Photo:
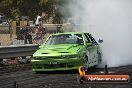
26 35
58 29
38 35
38 20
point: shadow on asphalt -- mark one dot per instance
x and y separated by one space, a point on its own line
90 71
59 72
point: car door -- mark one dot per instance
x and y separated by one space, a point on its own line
92 48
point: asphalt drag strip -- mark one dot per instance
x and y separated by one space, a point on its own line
24 78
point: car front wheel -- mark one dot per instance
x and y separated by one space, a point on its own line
86 63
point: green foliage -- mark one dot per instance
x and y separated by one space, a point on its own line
15 12
13 8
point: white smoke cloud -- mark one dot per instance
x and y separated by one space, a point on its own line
110 20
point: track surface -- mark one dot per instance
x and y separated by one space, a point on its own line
26 79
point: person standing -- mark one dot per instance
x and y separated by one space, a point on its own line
26 34
38 20
38 35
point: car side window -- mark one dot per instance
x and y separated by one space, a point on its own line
92 39
86 38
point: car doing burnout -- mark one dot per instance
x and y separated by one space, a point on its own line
67 51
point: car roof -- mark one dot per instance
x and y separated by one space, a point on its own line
69 33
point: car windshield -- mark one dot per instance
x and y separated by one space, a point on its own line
65 39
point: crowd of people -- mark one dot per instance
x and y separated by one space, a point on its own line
30 35
34 34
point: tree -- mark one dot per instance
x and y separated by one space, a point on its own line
12 8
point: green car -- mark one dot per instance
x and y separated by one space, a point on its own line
67 51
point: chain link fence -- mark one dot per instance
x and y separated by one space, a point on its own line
17 35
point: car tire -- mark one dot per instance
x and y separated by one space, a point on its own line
86 63
99 57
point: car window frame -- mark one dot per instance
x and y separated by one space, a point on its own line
92 40
62 34
88 39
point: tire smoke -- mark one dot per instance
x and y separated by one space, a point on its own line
110 20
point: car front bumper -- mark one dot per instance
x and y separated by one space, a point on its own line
49 65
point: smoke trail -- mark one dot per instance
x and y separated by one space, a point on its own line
110 20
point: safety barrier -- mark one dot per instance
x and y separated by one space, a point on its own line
17 50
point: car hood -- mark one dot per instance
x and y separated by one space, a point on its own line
56 50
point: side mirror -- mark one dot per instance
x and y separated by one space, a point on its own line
100 40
